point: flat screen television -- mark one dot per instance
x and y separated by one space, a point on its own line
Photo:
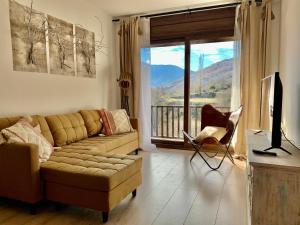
275 110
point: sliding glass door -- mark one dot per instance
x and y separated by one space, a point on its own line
167 91
177 95
211 69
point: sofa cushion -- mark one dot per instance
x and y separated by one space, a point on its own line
109 143
45 130
109 126
67 128
9 121
24 132
92 121
90 170
101 144
84 146
122 121
2 139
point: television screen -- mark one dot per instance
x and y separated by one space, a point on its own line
271 98
275 108
275 104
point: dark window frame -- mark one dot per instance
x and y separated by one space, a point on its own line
187 41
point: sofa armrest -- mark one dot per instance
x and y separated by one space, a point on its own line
135 123
20 172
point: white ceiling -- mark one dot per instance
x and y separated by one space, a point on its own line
131 7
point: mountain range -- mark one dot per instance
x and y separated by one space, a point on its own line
212 84
170 77
162 75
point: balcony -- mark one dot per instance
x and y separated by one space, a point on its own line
167 121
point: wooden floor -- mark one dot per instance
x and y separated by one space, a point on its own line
174 192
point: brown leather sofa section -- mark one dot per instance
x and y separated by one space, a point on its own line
19 165
67 128
44 128
8 121
92 170
20 172
109 143
90 178
86 171
92 121
80 174
37 119
103 201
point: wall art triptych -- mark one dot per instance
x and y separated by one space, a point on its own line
45 44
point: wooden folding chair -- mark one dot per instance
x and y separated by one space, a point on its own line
231 127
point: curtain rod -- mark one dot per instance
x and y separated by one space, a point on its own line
187 10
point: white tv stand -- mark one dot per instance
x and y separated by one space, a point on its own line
273 195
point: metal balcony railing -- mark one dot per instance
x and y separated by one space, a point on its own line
167 121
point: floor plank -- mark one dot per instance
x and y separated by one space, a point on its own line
174 192
231 210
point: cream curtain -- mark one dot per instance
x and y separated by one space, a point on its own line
133 53
145 87
255 29
235 90
265 58
129 55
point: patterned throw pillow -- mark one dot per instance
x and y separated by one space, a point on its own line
29 119
2 139
108 122
23 132
122 121
115 122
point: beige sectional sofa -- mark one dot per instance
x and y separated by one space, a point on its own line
87 170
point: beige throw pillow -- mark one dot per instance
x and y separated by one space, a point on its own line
210 131
23 132
115 122
29 119
2 139
122 121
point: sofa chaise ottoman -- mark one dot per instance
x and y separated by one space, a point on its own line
91 179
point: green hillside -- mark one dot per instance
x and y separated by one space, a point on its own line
211 85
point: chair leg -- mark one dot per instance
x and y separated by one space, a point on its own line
193 155
105 217
58 206
134 193
211 156
32 209
230 157
207 163
197 148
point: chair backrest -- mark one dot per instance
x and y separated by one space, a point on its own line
234 120
235 116
210 116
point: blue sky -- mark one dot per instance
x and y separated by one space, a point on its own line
174 55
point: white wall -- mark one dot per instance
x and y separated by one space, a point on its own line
275 37
290 67
30 93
